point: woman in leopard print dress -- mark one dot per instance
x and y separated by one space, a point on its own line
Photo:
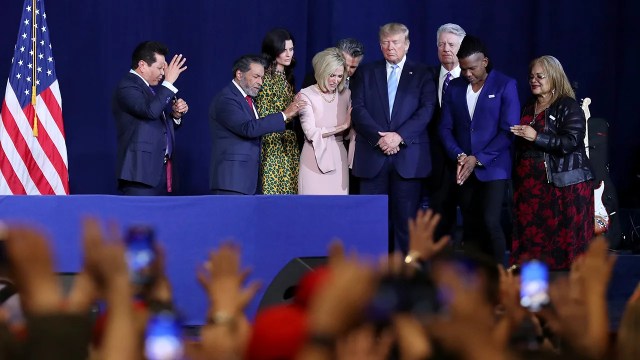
280 156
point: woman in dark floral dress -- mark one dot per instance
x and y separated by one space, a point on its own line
280 156
553 190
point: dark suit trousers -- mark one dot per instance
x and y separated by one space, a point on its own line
132 188
481 206
404 199
440 195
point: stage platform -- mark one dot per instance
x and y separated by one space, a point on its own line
271 230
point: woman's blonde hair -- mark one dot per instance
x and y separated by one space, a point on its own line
325 63
558 80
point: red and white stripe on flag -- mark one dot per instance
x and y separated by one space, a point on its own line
33 152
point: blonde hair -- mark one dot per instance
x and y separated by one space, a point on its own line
394 29
560 85
325 63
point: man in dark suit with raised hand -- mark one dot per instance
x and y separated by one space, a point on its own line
145 120
236 129
393 102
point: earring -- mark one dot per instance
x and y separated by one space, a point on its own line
553 92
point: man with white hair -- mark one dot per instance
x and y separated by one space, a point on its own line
439 192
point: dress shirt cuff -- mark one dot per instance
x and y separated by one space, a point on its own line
284 117
170 86
177 121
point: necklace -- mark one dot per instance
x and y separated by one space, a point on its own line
536 112
323 98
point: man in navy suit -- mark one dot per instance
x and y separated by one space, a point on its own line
478 110
393 101
440 194
236 129
145 120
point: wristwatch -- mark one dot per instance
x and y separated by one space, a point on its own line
413 258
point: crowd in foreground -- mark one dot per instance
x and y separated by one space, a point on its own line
432 304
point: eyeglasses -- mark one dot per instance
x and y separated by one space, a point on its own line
538 76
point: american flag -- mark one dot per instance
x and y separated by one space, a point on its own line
33 153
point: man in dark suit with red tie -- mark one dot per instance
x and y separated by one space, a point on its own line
236 129
393 101
145 120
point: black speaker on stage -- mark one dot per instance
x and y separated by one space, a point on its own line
283 287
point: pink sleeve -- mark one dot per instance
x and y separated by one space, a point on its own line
313 134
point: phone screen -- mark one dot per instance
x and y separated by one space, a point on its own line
140 242
534 285
163 337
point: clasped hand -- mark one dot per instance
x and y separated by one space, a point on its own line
179 108
389 142
466 164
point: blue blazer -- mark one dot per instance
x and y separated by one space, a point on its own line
412 111
487 136
235 134
141 130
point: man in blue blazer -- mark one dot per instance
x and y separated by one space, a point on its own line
236 129
393 101
478 110
145 120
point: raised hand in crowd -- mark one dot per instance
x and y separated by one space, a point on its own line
227 331
365 342
338 306
54 330
422 245
579 313
105 264
628 346
468 328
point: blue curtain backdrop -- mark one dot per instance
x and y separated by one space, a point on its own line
92 42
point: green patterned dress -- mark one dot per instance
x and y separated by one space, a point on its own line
280 157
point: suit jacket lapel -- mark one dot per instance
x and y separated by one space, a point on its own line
248 110
405 80
483 96
381 82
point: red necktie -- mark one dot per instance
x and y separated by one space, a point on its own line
250 101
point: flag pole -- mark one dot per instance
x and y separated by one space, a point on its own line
34 30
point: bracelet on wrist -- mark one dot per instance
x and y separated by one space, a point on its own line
222 318
413 259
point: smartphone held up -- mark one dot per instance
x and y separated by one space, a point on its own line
534 285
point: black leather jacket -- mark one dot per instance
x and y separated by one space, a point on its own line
562 142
